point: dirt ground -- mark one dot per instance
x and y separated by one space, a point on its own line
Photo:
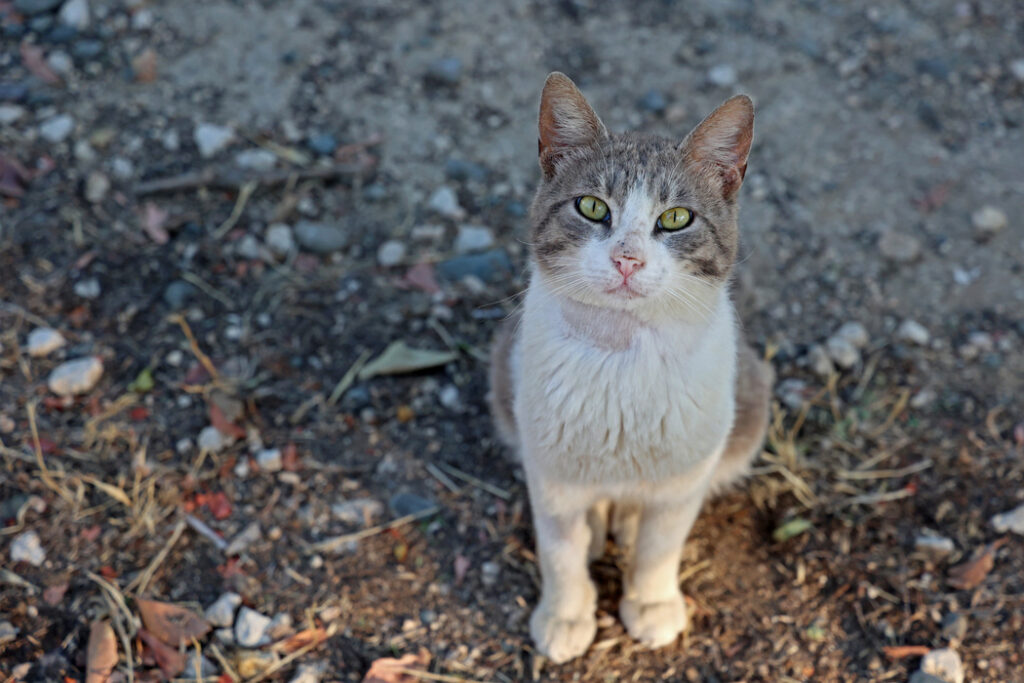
365 182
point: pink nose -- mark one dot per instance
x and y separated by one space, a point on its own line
627 265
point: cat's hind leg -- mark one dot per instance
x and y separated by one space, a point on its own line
597 520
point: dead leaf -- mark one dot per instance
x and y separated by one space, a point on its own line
895 652
144 66
153 220
223 424
421 276
35 61
971 573
398 358
172 624
391 670
53 595
14 177
101 653
170 661
300 640
461 567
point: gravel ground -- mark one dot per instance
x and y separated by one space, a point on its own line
219 212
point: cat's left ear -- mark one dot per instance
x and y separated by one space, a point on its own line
719 146
566 121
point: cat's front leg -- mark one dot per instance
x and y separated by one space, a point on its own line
652 606
563 625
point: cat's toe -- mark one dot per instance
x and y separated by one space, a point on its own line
561 639
655 624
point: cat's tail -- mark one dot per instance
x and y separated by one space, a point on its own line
501 397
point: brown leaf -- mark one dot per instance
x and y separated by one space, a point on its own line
13 177
895 652
300 640
101 653
170 661
55 593
144 66
391 670
421 276
971 573
32 56
153 220
223 424
172 624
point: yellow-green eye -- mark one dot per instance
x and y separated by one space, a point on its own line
675 219
591 207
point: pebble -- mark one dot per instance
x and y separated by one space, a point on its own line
943 663
7 632
489 572
842 352
97 185
249 247
1013 520
44 340
7 425
449 396
473 238
322 143
320 238
212 440
309 673
222 611
143 19
26 548
77 376
123 169
269 460
88 288
30 7
245 538
954 626
358 511
279 240
922 677
913 332
405 503
853 332
75 13
489 266
792 392
171 140
977 344
251 628
818 359
280 626
60 62
722 75
178 294
1017 69
427 233
87 48
57 129
923 398
9 113
446 70
391 253
253 663
933 544
256 159
457 169
211 138
445 202
654 101
899 247
207 669
988 221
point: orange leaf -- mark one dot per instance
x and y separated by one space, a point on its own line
220 506
971 573
101 653
172 624
300 640
391 670
144 66
170 661
901 651
223 425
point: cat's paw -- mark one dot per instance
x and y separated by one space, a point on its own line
655 624
561 638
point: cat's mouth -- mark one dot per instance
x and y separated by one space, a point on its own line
625 290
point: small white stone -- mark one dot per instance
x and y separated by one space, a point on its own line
97 186
183 445
722 75
88 288
428 233
123 169
242 468
1017 69
269 460
473 238
248 247
84 152
280 240
175 357
60 62
8 632
842 352
913 332
245 538
934 544
489 572
42 341
818 359
853 332
171 141
391 253
143 19
211 440
211 138
1013 520
251 628
26 548
945 664
309 673
9 113
445 202
449 396
222 611
75 13
280 626
988 221
77 376
57 128
360 511
256 159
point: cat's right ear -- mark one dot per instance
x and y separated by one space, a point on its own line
566 121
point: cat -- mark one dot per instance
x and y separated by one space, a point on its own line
624 384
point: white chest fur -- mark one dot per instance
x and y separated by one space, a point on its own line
616 401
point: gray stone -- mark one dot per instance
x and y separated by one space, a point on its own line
77 376
449 396
922 677
1012 520
457 169
269 459
446 70
97 185
391 253
913 332
31 7
222 611
256 159
57 128
358 511
988 221
445 202
842 352
26 548
211 138
489 572
44 340
123 169
489 266
201 669
406 503
75 13
899 247
87 48
793 392
322 143
473 238
248 247
427 233
853 332
280 626
212 440
251 628
943 663
722 75
1017 69
143 19
309 673
178 294
933 544
320 238
245 538
279 240
88 288
60 62
954 626
9 113
7 632
654 101
819 361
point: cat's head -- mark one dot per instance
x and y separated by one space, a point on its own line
637 222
